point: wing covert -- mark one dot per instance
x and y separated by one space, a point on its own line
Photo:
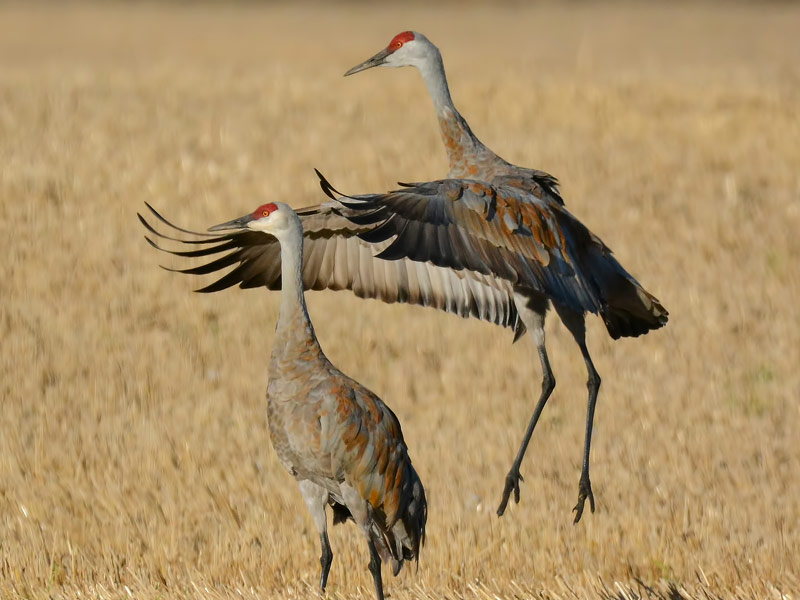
495 230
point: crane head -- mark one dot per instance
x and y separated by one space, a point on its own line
407 49
273 217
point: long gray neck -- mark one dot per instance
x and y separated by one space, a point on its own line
432 69
463 148
294 334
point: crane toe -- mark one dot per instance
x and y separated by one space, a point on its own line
512 484
584 493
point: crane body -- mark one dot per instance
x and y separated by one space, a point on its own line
470 158
341 443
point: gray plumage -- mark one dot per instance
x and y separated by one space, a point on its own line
632 315
341 443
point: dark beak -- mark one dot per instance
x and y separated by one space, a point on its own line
375 61
240 223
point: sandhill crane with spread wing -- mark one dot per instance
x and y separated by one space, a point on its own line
339 440
470 159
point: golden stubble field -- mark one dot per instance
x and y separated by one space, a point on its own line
134 456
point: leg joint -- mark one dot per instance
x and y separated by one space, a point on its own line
374 564
594 381
548 383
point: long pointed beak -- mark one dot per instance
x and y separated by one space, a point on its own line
240 223
375 61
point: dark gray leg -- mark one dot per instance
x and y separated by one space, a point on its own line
532 313
360 510
576 324
316 498
375 569
514 477
325 560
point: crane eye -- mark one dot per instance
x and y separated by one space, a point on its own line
398 43
264 210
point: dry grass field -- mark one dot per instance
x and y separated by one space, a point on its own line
134 455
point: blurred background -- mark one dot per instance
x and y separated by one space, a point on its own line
134 454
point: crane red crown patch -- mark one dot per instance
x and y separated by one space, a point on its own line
400 39
265 210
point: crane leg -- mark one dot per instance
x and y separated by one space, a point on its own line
576 323
325 559
532 312
375 569
360 510
316 498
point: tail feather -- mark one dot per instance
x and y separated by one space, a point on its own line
401 540
633 313
409 530
628 309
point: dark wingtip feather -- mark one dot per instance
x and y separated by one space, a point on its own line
163 236
217 286
142 221
361 204
381 233
166 222
147 225
326 186
369 217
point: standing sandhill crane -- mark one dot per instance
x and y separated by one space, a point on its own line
470 159
339 440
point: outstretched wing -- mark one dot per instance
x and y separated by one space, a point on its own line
496 230
336 258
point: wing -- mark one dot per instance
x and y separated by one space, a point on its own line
364 438
496 230
336 258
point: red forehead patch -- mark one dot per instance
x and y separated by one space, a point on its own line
400 39
265 210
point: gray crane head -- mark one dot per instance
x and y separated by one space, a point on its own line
275 218
407 49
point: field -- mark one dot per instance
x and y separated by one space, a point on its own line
134 455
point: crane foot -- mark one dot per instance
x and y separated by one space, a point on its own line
584 492
512 484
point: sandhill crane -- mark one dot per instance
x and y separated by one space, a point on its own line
470 159
537 246
341 443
